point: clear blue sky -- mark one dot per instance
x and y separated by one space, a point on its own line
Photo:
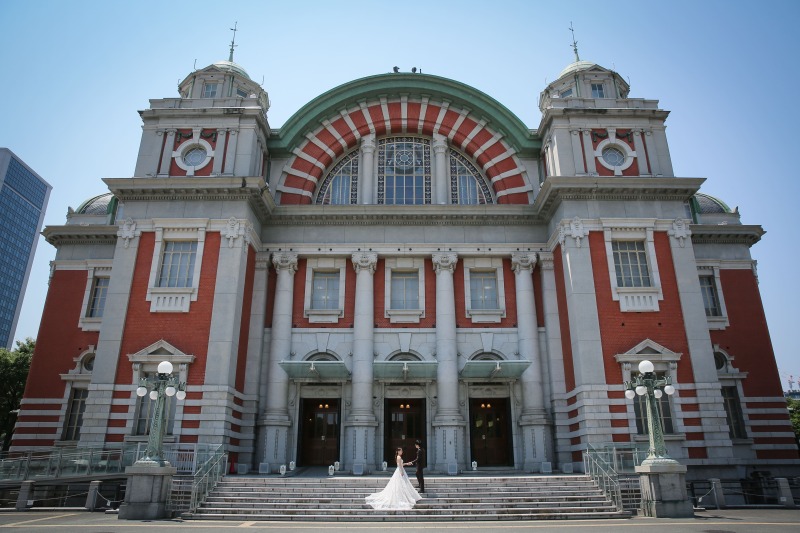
76 72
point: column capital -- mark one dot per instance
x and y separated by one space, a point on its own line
368 143
365 261
445 261
523 261
546 260
439 144
262 260
285 261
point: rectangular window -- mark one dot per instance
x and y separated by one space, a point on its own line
325 290
177 264
241 93
630 263
708 286
664 413
405 290
97 302
483 289
597 90
733 412
210 90
74 419
566 94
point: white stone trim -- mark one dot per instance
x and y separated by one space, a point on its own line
324 264
175 299
484 264
292 190
633 299
94 268
404 264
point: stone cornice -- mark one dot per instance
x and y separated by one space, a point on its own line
726 234
253 190
63 235
557 189
422 215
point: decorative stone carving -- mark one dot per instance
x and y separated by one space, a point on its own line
546 261
262 261
575 229
232 230
285 261
523 261
445 261
368 144
365 261
680 230
127 231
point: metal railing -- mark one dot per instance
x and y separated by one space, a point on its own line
58 463
188 493
613 468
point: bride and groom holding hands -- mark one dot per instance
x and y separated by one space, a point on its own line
399 494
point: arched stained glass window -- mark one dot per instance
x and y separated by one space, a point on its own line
341 184
404 171
466 184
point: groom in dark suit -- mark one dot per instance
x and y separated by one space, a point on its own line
419 462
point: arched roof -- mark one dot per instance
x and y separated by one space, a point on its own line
707 204
577 66
97 205
458 94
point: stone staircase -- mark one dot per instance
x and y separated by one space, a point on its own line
447 499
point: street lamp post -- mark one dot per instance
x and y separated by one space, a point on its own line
150 478
661 478
652 387
163 384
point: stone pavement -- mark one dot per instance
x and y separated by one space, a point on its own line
727 521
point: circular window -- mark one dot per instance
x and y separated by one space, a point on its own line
613 156
197 155
720 360
88 363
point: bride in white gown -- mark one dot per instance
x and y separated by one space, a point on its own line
399 494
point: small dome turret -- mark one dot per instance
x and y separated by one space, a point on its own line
232 67
708 205
97 205
97 210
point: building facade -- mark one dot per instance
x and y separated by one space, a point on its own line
23 202
405 259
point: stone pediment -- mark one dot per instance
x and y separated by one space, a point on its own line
648 349
160 351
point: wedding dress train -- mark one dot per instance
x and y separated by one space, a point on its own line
398 495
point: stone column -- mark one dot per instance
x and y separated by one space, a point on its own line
230 156
219 152
448 424
588 150
361 424
166 153
367 189
276 414
641 153
441 183
555 354
577 152
534 417
254 384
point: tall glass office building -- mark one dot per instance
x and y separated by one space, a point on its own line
23 201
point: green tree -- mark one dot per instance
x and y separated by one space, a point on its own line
14 367
794 415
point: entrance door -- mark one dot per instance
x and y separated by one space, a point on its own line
490 432
319 432
405 423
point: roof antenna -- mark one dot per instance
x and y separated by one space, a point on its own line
574 43
233 40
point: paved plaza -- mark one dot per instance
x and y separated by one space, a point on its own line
733 521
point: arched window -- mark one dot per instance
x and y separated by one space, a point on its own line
466 185
404 171
341 184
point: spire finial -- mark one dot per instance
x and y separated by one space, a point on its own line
233 40
574 43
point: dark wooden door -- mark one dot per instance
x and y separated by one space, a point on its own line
405 423
490 432
319 432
